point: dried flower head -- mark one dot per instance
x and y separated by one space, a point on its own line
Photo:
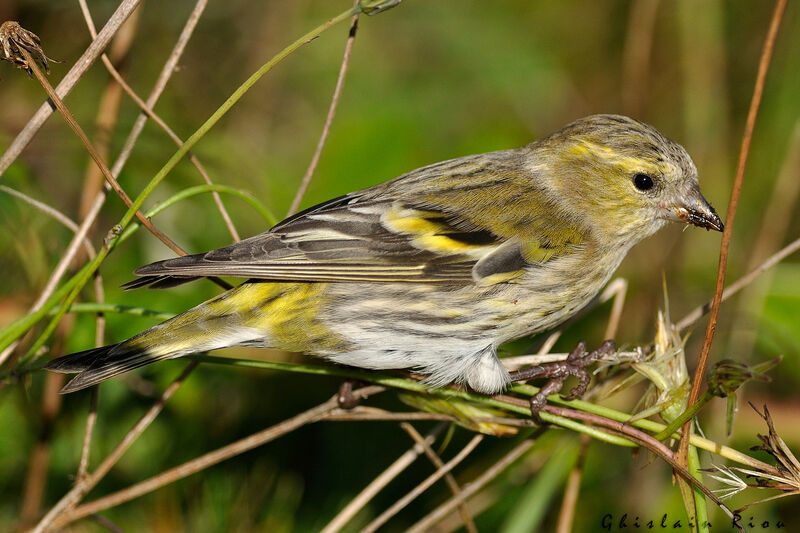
14 39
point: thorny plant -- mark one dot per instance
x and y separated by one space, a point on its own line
663 363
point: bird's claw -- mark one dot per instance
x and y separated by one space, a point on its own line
557 372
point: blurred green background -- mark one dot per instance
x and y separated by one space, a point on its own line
428 81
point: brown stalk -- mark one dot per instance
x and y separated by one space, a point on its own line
107 113
377 484
472 488
123 85
741 283
442 470
337 91
68 256
70 120
758 90
636 54
566 515
88 482
83 63
469 524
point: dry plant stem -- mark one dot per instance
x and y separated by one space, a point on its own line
443 470
369 492
53 213
91 420
199 8
469 525
97 46
643 439
337 91
741 283
107 113
207 460
88 482
566 515
775 224
36 478
470 489
755 102
93 153
158 88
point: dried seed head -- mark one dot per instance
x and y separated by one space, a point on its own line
14 39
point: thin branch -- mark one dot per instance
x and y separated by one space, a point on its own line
741 283
755 102
469 524
91 420
53 213
73 124
566 515
337 91
383 479
204 461
469 490
83 63
158 88
444 469
87 483
201 4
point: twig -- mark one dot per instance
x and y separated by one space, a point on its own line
337 91
470 489
204 461
107 111
97 46
755 102
400 504
67 257
566 515
85 484
469 524
91 420
383 479
53 213
741 283
199 7
73 124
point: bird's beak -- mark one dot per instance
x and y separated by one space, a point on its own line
697 211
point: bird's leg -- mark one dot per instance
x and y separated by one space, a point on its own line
557 372
345 398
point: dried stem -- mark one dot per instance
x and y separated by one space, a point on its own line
566 515
83 63
469 525
442 470
87 483
368 492
73 124
91 420
755 102
204 461
741 283
158 88
199 7
469 490
337 91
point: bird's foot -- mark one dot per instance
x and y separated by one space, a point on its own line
557 372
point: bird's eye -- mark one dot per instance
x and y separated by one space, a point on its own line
643 182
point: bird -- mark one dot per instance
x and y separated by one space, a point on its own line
435 269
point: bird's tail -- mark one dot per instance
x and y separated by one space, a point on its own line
214 324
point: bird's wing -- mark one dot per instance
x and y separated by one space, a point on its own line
395 232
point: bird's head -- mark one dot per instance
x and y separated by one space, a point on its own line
623 177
